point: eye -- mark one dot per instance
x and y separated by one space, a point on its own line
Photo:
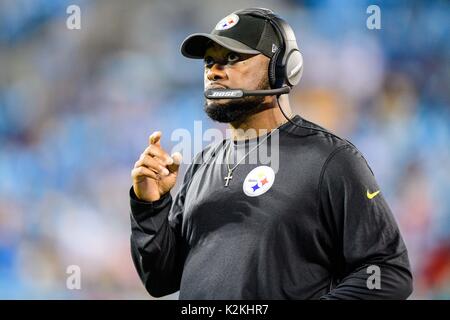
209 61
233 57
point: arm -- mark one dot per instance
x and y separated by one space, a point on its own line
364 231
156 245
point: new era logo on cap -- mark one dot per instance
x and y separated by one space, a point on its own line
274 48
227 22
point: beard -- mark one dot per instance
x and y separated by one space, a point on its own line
236 110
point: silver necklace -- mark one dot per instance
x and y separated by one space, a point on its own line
230 170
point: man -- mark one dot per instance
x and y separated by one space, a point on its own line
317 228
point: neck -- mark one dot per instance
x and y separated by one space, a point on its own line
262 122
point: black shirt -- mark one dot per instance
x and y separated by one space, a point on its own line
312 234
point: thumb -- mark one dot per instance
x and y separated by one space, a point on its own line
177 157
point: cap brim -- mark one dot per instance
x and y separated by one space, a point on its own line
196 44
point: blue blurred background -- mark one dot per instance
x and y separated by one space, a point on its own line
77 106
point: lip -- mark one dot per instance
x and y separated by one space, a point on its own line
216 87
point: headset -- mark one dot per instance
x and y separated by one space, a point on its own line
285 67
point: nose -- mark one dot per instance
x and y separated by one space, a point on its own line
216 72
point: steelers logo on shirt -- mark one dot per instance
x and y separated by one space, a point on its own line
227 22
258 181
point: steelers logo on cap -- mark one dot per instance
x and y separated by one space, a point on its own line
258 181
228 22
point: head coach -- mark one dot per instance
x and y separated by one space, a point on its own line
318 227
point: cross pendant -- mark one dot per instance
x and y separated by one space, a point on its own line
228 178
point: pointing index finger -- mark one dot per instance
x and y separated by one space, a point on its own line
155 138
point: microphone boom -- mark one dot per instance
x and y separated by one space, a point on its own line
239 93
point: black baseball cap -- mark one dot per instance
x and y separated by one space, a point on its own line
238 32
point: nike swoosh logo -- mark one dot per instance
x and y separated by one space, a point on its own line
372 195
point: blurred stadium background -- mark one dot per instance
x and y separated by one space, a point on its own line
77 106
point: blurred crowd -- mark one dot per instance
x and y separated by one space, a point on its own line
77 107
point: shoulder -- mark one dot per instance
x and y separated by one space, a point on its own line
326 148
318 139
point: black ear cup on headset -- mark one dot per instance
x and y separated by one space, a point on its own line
286 73
289 64
274 78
